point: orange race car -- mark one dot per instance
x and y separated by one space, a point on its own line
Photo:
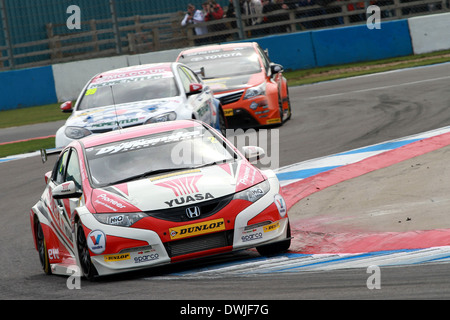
251 88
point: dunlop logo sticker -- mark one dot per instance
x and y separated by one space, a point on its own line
196 229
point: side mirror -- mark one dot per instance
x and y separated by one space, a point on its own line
276 68
195 88
253 153
200 72
66 190
66 107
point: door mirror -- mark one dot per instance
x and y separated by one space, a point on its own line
194 88
66 190
253 153
66 107
276 68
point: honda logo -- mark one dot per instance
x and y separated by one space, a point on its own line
193 212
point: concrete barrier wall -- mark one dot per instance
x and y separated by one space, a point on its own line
430 33
301 50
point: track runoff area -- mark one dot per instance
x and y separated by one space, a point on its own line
303 179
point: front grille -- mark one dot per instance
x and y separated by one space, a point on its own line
230 98
200 243
178 214
242 119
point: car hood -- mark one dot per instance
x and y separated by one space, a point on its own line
176 189
127 114
236 82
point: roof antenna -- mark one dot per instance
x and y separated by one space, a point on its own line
115 109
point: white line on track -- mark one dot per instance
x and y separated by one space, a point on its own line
377 88
294 263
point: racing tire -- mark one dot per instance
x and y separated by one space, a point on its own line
280 107
42 248
87 267
277 247
280 102
289 105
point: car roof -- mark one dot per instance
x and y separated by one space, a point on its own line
136 132
219 46
134 71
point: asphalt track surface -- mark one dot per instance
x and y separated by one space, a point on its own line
328 118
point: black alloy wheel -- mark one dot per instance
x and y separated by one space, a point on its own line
42 248
86 264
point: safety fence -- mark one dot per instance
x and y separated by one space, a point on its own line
111 34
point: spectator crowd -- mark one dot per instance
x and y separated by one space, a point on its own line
270 12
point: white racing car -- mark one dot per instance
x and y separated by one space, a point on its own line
153 195
139 95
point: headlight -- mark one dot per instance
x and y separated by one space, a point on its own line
169 116
256 91
77 132
254 193
119 219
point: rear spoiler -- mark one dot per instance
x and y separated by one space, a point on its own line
49 152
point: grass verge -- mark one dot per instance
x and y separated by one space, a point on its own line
33 115
26 147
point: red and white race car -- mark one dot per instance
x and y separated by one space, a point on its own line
153 195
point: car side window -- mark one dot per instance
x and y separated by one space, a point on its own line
60 168
67 169
265 59
73 172
188 77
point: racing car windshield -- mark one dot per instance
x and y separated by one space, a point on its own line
189 148
224 63
127 90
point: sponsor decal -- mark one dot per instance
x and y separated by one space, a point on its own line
182 186
281 204
247 176
117 257
228 112
251 236
272 226
185 200
53 254
275 120
196 229
96 241
185 190
146 257
175 136
112 123
109 203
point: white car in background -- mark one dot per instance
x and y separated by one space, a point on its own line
139 95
